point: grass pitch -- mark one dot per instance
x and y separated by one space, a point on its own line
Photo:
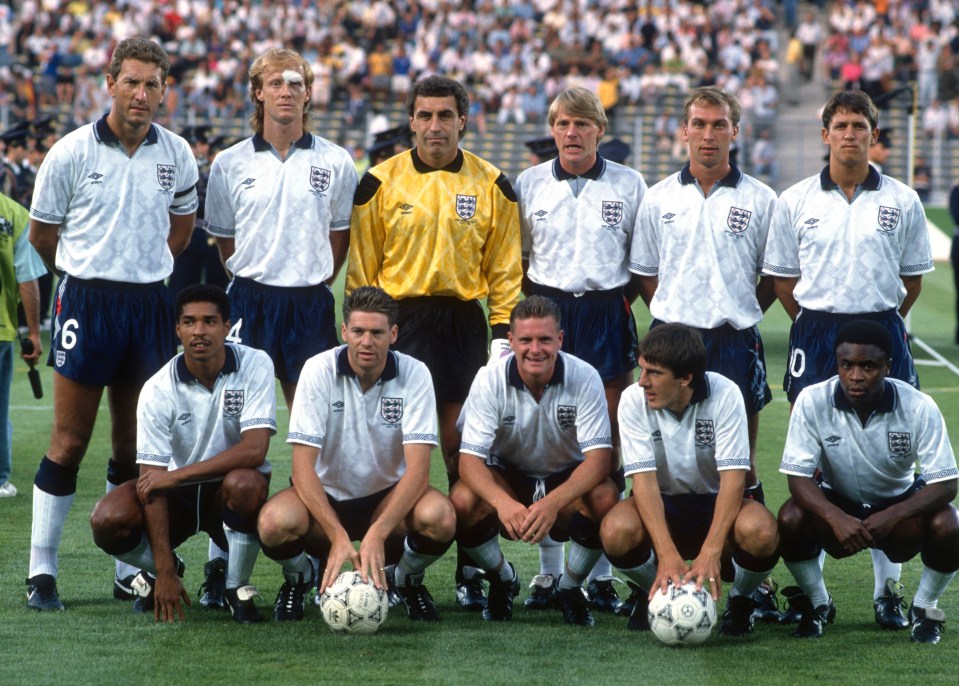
98 640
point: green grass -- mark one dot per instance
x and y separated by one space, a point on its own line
98 640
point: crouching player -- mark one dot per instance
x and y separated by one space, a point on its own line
686 446
535 460
867 433
362 427
204 423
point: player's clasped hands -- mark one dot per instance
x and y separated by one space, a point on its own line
851 533
540 518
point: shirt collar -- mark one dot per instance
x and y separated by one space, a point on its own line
423 168
230 365
872 182
104 133
305 141
515 380
886 404
594 172
344 369
731 179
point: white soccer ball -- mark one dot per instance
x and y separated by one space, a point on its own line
682 616
354 606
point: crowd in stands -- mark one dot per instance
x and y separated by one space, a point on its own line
514 55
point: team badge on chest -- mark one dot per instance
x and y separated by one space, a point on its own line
566 416
705 435
232 403
391 409
465 206
166 175
612 212
319 179
888 218
738 219
899 442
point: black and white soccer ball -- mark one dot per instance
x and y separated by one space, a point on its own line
351 605
682 616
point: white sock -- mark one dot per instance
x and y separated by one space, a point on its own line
214 551
883 568
489 556
123 570
644 575
581 560
551 554
602 570
296 568
809 577
140 557
49 516
243 551
746 581
932 585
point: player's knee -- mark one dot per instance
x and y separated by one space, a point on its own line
436 517
113 517
275 524
619 533
601 499
245 490
943 526
756 532
791 520
467 506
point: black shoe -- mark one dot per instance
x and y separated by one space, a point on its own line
738 617
419 603
603 596
927 624
812 620
639 615
143 583
890 607
122 587
42 594
499 604
767 606
626 609
470 595
574 604
755 493
291 600
542 587
242 607
212 589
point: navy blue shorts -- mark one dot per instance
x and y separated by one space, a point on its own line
689 516
105 331
449 336
528 490
864 510
194 508
357 515
740 357
811 356
598 327
290 324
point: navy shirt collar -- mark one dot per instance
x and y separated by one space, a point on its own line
872 182
105 134
260 144
423 168
594 172
731 179
886 404
230 365
344 369
515 380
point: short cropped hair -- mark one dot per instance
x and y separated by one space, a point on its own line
578 102
203 293
143 50
676 347
439 87
371 299
536 307
864 332
715 96
856 102
272 58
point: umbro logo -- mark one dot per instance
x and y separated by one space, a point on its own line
668 216
248 182
406 207
657 435
833 440
811 222
95 176
184 418
509 420
540 214
338 405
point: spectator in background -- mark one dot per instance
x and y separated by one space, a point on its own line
954 254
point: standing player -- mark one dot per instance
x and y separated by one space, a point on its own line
849 214
578 214
114 203
867 434
204 423
279 204
685 444
535 461
437 228
362 427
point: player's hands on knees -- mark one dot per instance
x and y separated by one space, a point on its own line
512 516
669 569
851 533
373 560
341 552
706 570
168 591
153 480
540 518
880 525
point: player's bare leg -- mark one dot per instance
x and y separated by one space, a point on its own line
122 467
